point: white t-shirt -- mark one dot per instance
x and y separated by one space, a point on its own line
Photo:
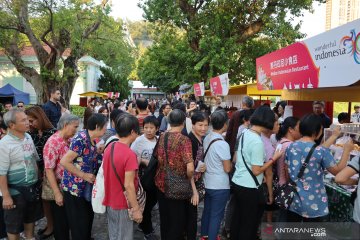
143 147
215 177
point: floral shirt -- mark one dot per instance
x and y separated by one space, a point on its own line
86 162
40 141
179 155
313 201
55 148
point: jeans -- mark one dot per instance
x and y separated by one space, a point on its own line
214 208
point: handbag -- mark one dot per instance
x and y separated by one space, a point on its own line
47 193
98 192
140 194
284 195
176 186
30 193
148 177
354 193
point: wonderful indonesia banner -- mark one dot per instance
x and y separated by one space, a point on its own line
331 59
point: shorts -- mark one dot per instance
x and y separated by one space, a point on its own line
24 212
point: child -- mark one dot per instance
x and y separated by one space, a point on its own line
143 147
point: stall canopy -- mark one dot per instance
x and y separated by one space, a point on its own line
9 93
94 94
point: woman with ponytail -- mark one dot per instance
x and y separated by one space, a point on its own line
288 133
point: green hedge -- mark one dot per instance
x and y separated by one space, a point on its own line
77 110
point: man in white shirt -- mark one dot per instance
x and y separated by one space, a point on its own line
355 117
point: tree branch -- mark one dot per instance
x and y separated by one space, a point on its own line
13 52
9 28
50 28
24 25
256 26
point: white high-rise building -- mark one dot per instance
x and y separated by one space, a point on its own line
339 12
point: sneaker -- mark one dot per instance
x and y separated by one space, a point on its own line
150 236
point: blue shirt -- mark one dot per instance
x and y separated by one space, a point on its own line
254 154
53 112
313 201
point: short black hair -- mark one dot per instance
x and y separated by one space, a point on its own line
263 117
180 106
21 102
343 116
199 116
125 124
151 119
176 118
245 115
142 103
218 119
6 103
96 120
53 90
310 125
114 114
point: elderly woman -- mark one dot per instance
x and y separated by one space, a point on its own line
55 148
80 164
40 131
174 154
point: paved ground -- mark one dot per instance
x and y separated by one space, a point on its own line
99 231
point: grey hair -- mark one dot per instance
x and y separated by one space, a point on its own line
10 116
66 119
176 118
248 101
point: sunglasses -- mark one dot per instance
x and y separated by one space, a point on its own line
19 106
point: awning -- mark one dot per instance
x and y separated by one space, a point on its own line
94 94
250 90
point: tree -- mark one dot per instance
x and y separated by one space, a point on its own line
108 43
111 81
50 27
225 35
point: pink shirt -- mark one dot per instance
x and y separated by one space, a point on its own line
280 164
54 149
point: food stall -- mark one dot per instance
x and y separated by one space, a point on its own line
325 67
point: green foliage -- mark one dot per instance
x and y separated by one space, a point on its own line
108 44
77 110
197 40
111 81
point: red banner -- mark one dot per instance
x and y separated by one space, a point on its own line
199 89
289 68
220 85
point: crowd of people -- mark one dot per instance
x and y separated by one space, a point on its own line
233 165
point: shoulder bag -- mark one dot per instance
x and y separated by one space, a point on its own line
177 187
140 194
262 187
199 184
284 195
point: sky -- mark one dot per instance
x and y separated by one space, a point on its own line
313 23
